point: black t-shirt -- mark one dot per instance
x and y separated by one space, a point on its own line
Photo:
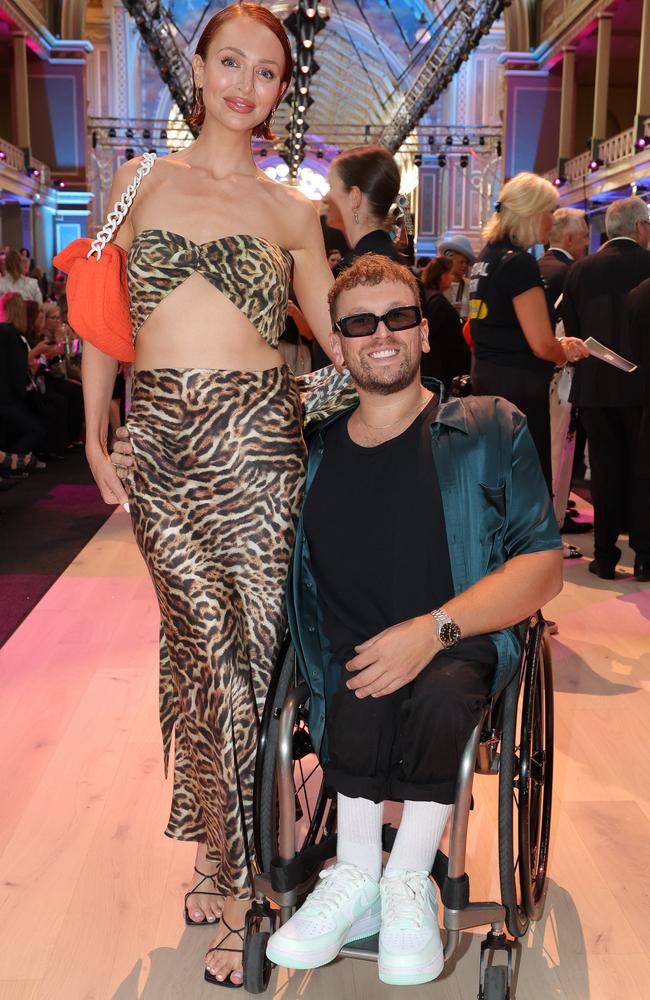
375 526
501 273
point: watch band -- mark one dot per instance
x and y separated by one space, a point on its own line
448 630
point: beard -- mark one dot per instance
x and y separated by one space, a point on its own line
384 383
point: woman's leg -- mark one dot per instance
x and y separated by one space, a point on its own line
214 499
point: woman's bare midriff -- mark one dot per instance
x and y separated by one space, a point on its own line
195 326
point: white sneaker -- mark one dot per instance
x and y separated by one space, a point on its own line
410 949
344 907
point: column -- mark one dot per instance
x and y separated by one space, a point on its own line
643 89
601 84
567 105
21 92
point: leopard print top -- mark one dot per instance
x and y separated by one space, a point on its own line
250 271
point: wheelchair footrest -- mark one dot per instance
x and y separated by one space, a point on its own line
286 875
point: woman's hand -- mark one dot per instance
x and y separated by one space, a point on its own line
105 475
574 349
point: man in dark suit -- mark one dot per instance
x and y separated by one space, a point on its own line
567 243
639 311
595 304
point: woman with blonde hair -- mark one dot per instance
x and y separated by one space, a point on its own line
515 349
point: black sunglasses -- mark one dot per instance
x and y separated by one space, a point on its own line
365 324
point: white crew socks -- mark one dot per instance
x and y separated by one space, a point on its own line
359 833
418 837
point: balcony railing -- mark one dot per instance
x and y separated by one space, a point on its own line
14 157
618 147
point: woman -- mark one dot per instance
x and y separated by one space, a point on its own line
364 183
515 349
215 425
16 281
448 353
19 398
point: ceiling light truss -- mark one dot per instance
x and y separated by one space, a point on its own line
159 32
463 26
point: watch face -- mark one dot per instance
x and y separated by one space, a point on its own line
449 633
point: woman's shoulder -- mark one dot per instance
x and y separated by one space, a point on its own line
296 216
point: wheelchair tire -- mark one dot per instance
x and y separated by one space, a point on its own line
495 986
526 783
320 813
257 967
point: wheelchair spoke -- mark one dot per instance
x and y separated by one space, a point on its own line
303 785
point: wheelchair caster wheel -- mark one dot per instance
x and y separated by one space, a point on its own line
257 968
495 986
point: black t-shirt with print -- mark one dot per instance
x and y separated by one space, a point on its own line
501 273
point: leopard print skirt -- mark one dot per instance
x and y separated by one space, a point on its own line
214 498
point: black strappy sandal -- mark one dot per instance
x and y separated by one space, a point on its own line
204 892
227 982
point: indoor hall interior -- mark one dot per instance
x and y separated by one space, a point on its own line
91 891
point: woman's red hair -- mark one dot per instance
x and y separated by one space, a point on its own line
263 16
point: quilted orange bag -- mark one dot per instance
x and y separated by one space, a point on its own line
98 299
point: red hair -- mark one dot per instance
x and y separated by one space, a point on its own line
263 16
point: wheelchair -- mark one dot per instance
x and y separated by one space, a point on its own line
295 819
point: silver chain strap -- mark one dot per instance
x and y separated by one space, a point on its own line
121 207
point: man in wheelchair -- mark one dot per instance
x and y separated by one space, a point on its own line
426 538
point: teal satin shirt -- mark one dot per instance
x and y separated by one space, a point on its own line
496 506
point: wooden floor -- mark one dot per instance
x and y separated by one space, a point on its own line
90 889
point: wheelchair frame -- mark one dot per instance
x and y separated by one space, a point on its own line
527 770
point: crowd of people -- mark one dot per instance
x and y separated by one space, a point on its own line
220 485
41 396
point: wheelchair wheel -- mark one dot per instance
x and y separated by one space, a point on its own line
315 810
257 968
496 983
525 783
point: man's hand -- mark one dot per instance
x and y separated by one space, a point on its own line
393 658
110 486
122 453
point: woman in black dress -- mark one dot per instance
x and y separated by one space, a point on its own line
449 354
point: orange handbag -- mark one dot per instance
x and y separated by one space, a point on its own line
98 299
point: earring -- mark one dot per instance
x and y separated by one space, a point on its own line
355 216
198 107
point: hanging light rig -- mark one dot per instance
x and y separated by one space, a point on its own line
304 22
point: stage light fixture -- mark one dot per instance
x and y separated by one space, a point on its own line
499 147
129 133
449 141
3 155
559 181
129 153
481 140
442 160
93 139
60 185
111 133
417 160
303 90
262 152
319 154
465 140
595 164
464 161
307 43
163 135
300 121
146 133
641 142
431 140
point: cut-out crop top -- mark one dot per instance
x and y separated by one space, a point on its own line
250 271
